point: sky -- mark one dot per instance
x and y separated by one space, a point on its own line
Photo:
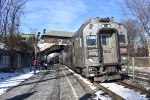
66 15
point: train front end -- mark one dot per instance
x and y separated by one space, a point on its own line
106 49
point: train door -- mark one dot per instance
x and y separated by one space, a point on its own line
108 43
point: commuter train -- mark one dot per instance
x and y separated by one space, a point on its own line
97 50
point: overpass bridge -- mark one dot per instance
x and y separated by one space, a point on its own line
54 42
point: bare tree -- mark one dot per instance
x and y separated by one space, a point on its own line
15 13
132 32
140 10
5 16
2 2
136 39
11 10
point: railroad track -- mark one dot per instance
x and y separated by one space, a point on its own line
109 92
113 95
135 87
141 75
140 78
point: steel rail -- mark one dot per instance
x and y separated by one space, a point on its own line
97 85
109 92
135 87
139 79
145 75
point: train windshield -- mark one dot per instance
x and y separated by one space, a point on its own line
105 39
91 40
122 39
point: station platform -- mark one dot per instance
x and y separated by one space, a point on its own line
58 83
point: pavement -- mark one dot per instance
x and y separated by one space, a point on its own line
55 84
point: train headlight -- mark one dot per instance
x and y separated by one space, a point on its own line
91 60
102 25
123 68
124 58
108 25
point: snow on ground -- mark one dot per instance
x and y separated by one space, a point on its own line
126 93
9 80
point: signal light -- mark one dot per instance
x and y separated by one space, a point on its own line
104 19
102 25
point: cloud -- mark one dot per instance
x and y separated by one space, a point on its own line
52 14
66 15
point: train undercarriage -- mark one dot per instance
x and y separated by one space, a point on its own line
105 73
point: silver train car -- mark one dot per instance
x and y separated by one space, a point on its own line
98 49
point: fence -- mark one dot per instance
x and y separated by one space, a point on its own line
138 64
19 61
4 61
139 61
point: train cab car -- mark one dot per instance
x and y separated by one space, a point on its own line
99 48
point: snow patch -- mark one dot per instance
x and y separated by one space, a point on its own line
9 80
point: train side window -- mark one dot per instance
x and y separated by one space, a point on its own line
105 39
91 40
122 39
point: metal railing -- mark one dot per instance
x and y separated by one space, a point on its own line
138 64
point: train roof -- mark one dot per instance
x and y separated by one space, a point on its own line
101 20
97 20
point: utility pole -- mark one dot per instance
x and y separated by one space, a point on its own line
36 48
